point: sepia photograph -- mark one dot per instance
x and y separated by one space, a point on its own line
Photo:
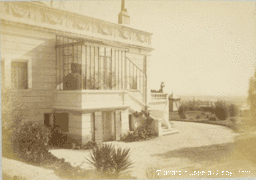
128 89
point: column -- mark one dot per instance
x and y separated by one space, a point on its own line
87 128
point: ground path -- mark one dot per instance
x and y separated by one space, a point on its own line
154 153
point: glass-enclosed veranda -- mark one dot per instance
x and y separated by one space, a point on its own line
90 65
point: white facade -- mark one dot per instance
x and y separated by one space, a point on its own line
45 42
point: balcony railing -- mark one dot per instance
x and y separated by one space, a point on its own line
135 77
159 97
83 66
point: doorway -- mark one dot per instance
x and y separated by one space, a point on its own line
61 120
108 125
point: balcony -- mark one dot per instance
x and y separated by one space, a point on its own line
92 100
159 97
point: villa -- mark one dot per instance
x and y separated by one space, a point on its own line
85 75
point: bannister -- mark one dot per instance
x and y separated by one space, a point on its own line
159 97
135 78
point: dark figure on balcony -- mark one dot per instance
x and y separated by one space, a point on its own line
73 80
161 90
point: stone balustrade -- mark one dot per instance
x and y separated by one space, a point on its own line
43 16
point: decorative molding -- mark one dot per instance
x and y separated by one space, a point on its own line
52 18
124 34
81 25
17 10
105 30
35 14
142 38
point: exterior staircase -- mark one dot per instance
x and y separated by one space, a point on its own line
167 131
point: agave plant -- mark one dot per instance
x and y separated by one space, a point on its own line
108 160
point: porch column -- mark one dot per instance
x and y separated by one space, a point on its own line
87 127
98 127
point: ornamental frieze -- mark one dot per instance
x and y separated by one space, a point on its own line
34 13
105 30
142 38
17 11
81 25
124 34
52 18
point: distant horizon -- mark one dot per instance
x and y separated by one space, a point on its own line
193 94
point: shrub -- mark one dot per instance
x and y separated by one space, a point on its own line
109 161
139 135
181 112
143 132
31 141
221 110
89 145
58 138
212 119
233 110
5 176
13 113
198 116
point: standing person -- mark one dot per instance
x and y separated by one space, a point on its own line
73 80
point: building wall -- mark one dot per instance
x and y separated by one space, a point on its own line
24 44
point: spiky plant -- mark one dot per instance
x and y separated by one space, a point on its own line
122 162
110 161
100 157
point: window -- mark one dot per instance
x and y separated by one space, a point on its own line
19 71
47 120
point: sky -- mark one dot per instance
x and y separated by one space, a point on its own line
200 47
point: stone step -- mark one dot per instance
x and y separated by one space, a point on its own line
166 131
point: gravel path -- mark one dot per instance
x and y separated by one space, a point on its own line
20 169
144 153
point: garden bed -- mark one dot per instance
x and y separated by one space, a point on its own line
227 123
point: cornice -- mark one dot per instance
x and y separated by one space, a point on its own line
45 18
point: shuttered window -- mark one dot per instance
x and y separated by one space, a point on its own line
19 71
47 121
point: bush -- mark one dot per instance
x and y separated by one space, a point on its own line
221 110
110 162
58 138
89 145
212 119
181 112
5 176
13 113
143 132
139 135
198 116
31 141
233 110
